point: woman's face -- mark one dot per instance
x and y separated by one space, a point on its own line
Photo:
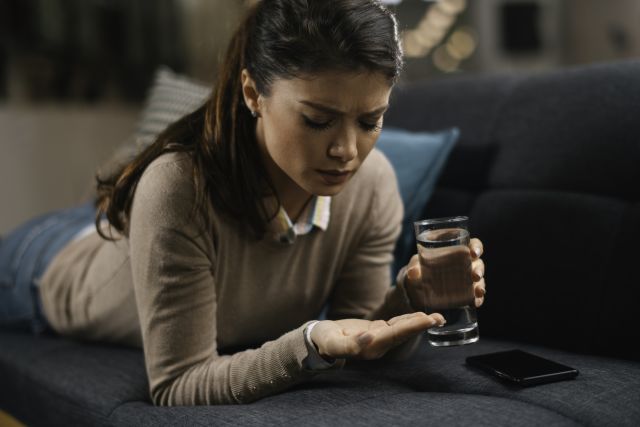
315 132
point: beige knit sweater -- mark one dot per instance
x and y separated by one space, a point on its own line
220 317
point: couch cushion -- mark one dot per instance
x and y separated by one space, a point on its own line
546 161
340 405
470 103
575 130
73 383
550 270
418 159
170 97
88 384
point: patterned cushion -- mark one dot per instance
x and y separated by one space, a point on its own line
171 97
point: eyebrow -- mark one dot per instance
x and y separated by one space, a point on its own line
334 111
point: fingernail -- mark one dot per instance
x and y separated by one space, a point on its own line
484 291
477 251
440 320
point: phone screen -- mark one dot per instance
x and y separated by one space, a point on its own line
521 367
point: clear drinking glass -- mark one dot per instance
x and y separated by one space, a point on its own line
445 265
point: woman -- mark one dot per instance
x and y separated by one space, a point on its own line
247 217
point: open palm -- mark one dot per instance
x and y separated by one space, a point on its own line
369 339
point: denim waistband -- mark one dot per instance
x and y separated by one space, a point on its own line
25 255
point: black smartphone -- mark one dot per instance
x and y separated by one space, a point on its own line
522 368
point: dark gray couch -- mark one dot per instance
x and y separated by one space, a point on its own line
548 168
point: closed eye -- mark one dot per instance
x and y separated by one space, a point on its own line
317 125
320 126
370 127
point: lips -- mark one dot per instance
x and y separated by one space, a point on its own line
334 176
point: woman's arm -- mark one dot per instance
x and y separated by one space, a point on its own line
172 264
362 290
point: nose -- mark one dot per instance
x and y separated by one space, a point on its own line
345 146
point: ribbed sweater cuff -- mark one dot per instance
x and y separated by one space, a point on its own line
274 367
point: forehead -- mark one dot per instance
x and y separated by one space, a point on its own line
346 91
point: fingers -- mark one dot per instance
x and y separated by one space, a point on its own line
412 283
479 290
414 261
477 248
413 268
418 314
477 269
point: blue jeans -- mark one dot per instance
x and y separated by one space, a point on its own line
25 254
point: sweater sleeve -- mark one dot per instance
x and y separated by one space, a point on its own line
363 287
173 274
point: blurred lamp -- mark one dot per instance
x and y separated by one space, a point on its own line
394 2
439 18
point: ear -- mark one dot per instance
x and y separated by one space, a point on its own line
249 91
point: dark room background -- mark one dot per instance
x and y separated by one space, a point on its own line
74 73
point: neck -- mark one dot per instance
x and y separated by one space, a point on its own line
295 210
292 203
292 197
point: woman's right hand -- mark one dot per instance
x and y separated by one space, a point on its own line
369 339
417 289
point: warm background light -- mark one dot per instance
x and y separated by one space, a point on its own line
437 21
437 36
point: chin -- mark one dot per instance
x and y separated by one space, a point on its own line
329 192
322 189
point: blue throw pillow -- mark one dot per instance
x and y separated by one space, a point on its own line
418 159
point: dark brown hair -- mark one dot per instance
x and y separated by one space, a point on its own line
277 39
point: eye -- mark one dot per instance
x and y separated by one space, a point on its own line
317 125
370 127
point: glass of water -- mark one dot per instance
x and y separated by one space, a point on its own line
445 265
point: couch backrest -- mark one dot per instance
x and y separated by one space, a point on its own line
548 169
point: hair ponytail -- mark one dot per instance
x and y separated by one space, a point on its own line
220 136
230 141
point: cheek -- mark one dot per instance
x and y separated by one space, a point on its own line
290 143
366 144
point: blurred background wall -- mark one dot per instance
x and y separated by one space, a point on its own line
500 35
74 73
73 77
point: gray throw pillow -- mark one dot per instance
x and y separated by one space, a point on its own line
171 97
